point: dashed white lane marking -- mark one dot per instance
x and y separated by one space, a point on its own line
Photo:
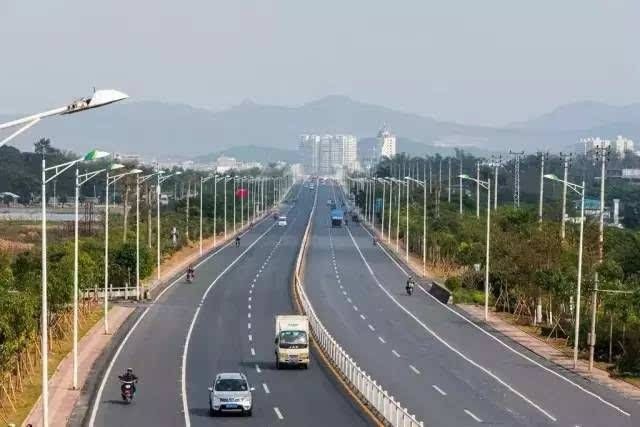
249 325
249 315
249 298
414 369
395 353
355 307
371 327
382 340
472 415
278 413
251 290
258 368
266 389
250 337
349 300
363 317
439 390
253 351
344 293
249 306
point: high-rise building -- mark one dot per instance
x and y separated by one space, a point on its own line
371 151
386 142
323 154
309 148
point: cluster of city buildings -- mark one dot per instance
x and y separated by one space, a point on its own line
332 154
620 146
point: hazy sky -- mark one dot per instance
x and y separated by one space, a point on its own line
482 62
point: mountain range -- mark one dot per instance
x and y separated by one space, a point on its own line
252 131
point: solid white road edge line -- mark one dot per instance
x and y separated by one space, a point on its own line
278 413
439 390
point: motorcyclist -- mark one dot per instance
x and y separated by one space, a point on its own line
410 284
237 240
129 377
374 241
191 273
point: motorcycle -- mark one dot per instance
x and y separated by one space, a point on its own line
190 277
127 390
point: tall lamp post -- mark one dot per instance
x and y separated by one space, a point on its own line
487 186
139 181
578 189
109 181
203 179
99 98
424 224
161 178
44 338
80 180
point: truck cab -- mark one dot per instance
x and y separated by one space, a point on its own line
292 341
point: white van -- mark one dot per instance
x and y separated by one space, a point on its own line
282 221
292 341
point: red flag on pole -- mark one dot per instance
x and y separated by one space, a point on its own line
242 193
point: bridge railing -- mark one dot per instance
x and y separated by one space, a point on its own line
368 389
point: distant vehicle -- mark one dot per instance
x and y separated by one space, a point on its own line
292 341
337 216
311 186
230 393
355 217
282 221
164 199
329 202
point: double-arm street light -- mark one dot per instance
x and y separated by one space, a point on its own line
80 180
578 189
487 186
110 180
98 99
55 172
161 178
406 183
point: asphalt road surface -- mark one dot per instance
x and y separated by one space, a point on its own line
228 314
446 369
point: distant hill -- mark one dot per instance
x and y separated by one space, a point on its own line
156 129
584 116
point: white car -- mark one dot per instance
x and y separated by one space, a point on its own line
230 393
282 221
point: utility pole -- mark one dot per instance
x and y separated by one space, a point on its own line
430 177
478 189
460 183
516 178
497 163
449 184
566 160
602 154
542 155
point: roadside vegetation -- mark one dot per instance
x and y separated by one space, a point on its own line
20 256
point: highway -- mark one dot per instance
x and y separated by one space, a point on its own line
225 321
446 369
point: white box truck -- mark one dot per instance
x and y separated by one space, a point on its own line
292 341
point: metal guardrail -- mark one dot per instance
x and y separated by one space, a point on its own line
389 409
114 293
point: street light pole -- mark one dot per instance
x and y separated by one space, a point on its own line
161 178
234 204
406 243
99 98
579 189
487 186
